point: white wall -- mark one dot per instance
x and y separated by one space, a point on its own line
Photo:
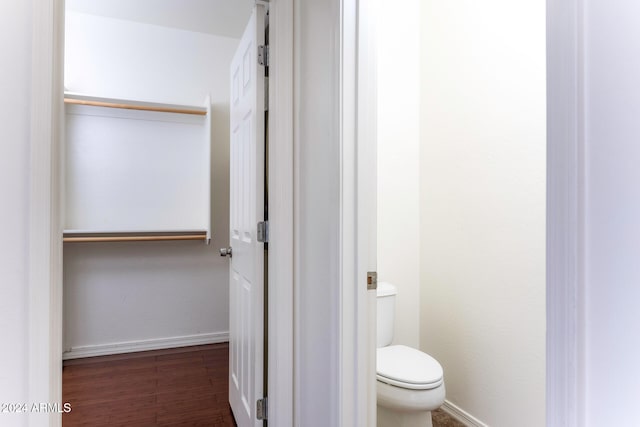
399 162
482 205
219 17
612 212
15 73
120 292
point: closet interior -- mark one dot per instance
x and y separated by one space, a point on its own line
146 173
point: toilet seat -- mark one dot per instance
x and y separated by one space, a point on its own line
408 368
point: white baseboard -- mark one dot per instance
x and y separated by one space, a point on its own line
461 415
144 345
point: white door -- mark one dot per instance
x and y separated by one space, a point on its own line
246 274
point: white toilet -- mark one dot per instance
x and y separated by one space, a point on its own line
410 383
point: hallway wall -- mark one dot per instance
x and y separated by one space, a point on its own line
15 66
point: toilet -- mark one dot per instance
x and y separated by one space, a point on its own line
410 383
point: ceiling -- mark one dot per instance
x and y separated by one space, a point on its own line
220 17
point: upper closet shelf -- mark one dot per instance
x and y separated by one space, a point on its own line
79 99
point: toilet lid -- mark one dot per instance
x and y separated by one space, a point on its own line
407 367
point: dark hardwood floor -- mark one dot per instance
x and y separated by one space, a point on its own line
178 387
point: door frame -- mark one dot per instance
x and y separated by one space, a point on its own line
44 311
358 132
565 260
44 383
367 187
280 280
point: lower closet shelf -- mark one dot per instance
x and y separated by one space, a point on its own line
147 236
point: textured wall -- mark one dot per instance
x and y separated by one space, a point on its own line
399 163
483 205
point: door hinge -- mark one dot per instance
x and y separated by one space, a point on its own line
372 280
263 231
261 409
263 55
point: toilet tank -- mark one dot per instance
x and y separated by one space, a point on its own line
386 306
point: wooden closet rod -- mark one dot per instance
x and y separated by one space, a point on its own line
132 238
134 106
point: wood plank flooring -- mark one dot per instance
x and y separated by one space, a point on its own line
178 387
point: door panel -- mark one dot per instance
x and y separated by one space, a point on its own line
246 209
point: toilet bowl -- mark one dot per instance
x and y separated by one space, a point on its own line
410 383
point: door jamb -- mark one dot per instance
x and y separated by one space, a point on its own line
281 215
565 260
366 166
44 310
350 410
358 112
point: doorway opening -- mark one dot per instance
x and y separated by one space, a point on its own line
461 198
149 149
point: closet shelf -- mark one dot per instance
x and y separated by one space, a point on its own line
147 236
79 99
